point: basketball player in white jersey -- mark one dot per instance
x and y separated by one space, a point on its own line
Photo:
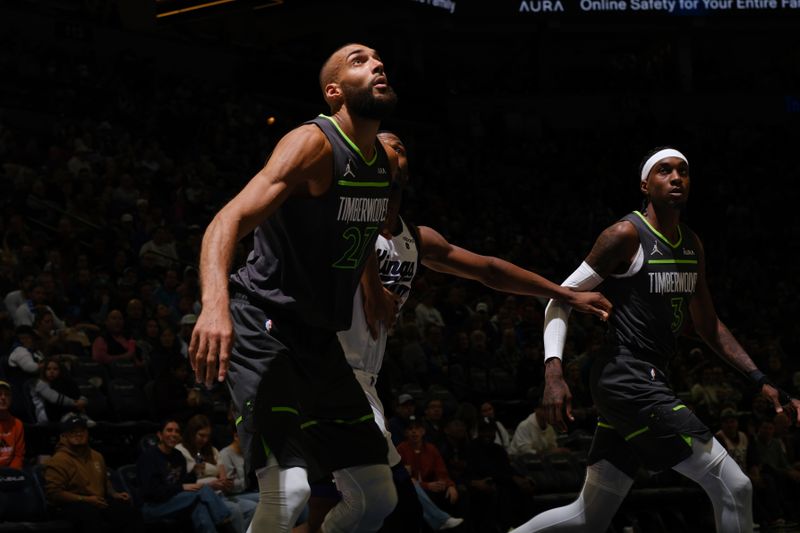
401 248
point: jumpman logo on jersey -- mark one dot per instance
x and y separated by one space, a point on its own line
655 249
349 171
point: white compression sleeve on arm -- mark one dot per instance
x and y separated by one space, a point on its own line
555 316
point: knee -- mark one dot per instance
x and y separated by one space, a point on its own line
298 492
375 499
742 488
382 501
368 497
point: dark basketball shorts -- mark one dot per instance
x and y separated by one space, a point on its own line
295 396
642 422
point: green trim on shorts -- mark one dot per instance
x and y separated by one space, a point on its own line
364 418
238 420
281 409
687 439
637 433
604 425
679 407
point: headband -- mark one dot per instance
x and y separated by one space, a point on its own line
658 156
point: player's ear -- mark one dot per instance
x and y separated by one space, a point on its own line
643 186
333 94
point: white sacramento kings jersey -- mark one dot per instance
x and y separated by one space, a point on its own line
398 261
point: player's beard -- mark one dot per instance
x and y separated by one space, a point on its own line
363 103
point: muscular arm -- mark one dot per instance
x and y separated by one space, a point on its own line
439 255
710 327
302 161
717 335
611 254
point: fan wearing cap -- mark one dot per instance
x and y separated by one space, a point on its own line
26 359
651 267
12 432
78 486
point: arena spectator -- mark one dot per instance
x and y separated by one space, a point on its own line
113 344
534 436
403 412
56 396
204 459
12 432
79 488
169 490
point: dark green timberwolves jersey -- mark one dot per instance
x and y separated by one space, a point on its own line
652 305
308 256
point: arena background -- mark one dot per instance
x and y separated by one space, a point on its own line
525 123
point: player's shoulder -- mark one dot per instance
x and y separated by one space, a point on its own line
621 231
308 133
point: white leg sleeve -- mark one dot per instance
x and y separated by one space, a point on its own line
602 493
283 493
729 489
368 496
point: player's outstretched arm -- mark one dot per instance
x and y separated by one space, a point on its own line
440 255
720 339
300 161
611 253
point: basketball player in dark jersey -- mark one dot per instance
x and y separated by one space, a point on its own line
270 329
652 268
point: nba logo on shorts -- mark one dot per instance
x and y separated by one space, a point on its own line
652 373
268 325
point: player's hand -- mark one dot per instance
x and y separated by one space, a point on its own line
591 302
210 347
380 308
121 496
557 397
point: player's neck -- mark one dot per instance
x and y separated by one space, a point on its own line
665 220
361 131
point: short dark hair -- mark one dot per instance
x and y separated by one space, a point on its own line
166 420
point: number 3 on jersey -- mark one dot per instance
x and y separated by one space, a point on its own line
358 242
677 313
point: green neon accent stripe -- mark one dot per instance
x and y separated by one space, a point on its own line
355 148
347 183
604 425
637 433
658 234
687 439
679 407
285 410
340 421
672 261
238 420
267 451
